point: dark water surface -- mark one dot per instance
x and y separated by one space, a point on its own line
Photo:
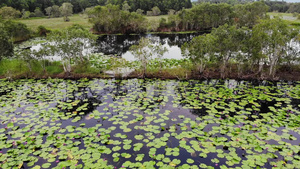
149 124
119 44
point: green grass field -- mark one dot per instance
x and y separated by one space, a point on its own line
156 18
285 16
56 23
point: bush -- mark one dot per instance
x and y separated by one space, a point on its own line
38 12
18 31
86 68
11 68
54 68
9 13
42 31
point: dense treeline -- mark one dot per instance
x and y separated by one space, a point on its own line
206 16
81 5
274 6
32 5
282 6
147 5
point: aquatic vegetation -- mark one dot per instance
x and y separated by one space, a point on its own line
140 123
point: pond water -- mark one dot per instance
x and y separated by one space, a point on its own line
149 124
119 44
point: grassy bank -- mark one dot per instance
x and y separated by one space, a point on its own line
171 69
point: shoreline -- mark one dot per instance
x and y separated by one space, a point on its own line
208 75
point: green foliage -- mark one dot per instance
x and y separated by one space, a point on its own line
70 44
200 50
25 14
156 11
249 14
110 19
42 31
16 31
9 13
54 68
208 15
142 52
6 46
66 10
272 36
11 68
86 68
38 13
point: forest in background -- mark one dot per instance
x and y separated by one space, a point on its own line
81 5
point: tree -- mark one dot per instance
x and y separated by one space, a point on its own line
272 36
27 56
38 12
228 43
125 6
171 12
142 52
140 11
9 13
49 11
149 13
55 11
159 50
6 46
73 45
84 4
66 10
25 14
110 19
200 50
17 31
41 55
156 11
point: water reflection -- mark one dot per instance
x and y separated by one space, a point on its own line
119 44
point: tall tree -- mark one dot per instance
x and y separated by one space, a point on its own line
9 13
200 50
6 46
49 11
66 10
142 52
73 45
272 36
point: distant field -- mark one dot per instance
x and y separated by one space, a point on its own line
156 18
285 16
56 23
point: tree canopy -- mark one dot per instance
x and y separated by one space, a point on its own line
80 5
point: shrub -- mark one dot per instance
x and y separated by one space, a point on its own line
9 13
